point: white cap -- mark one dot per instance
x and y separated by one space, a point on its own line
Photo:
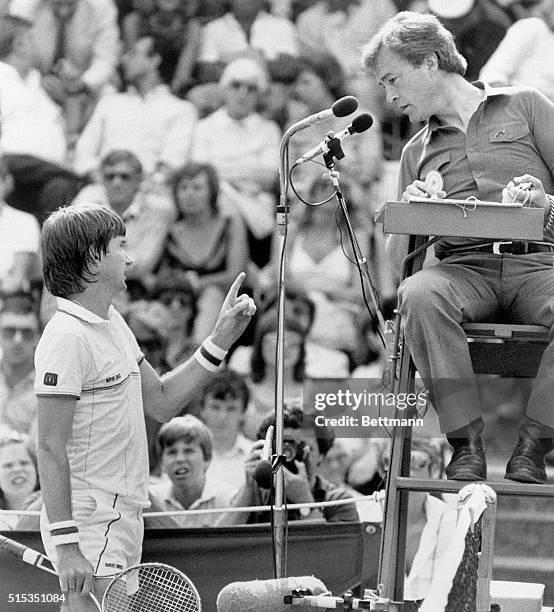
451 9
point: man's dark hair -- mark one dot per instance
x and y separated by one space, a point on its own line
10 28
73 239
228 384
121 156
295 418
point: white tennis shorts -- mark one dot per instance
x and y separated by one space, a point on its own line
111 530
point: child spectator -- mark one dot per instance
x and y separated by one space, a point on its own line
223 407
185 450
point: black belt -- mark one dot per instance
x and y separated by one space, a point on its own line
504 246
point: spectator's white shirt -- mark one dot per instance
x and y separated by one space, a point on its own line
31 121
91 38
524 57
228 466
156 128
342 33
245 149
224 39
215 494
19 233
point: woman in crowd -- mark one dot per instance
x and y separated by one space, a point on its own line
205 248
19 486
318 263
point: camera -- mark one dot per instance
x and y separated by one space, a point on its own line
295 450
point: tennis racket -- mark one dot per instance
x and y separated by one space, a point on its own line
148 587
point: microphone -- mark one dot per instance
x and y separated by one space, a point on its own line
263 473
341 108
267 595
361 123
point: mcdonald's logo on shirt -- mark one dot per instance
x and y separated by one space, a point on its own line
50 379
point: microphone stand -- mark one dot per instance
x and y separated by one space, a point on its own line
278 509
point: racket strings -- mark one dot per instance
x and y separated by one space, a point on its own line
155 589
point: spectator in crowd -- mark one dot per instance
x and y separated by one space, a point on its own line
19 485
320 362
146 119
19 242
174 25
19 334
185 449
430 521
524 56
76 43
263 370
247 29
181 305
204 247
305 445
478 27
32 137
148 214
318 264
336 466
340 28
319 82
244 148
223 407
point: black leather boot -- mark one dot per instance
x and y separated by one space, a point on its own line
527 461
468 461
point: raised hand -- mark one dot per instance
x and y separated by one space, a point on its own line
234 316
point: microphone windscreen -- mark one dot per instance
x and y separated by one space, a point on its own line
263 474
361 123
266 595
345 106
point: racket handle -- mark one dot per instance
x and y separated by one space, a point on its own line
15 548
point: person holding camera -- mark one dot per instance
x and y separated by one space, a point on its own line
304 447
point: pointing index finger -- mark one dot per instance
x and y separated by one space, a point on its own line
234 290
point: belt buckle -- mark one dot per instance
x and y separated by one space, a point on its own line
496 246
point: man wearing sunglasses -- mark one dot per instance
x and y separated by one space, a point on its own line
19 334
148 214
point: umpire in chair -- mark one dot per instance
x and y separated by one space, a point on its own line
495 144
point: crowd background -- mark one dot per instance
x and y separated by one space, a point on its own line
171 113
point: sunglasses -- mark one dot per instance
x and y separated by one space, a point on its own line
9 333
124 176
250 87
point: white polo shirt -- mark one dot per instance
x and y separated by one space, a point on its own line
97 361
